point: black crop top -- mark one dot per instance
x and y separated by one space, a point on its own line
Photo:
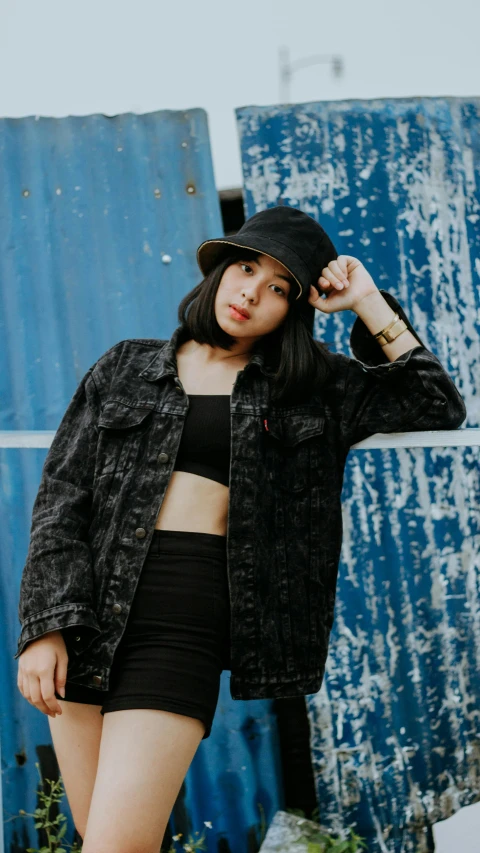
205 445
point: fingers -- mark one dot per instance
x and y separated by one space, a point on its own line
47 685
38 689
339 268
35 697
42 667
329 280
61 674
334 275
42 694
342 262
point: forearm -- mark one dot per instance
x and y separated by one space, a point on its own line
376 313
57 585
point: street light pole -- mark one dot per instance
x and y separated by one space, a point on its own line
287 68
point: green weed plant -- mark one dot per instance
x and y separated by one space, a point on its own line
50 792
318 842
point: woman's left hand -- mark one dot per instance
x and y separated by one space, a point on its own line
345 281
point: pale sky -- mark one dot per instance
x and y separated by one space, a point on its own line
62 58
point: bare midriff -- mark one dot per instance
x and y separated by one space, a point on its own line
191 502
194 503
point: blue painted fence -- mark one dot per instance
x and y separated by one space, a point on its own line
394 728
100 219
99 222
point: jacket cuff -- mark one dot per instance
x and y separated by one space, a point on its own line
369 353
55 619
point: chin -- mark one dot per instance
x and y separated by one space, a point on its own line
231 326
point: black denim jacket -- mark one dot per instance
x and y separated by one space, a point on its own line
108 467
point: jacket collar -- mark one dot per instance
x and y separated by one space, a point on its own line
164 362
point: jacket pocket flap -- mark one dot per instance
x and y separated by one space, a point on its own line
292 429
118 415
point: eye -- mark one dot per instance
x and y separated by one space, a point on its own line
280 290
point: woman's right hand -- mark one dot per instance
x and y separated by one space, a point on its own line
42 671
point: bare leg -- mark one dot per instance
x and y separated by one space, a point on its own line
144 757
76 735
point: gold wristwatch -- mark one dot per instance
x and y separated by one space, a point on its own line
392 331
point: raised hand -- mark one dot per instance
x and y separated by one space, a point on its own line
345 282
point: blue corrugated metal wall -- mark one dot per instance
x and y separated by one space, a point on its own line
394 729
99 222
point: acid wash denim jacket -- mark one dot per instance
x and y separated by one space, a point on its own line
108 468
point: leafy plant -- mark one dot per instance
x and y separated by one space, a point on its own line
193 844
318 842
55 829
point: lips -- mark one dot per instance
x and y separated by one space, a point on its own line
240 309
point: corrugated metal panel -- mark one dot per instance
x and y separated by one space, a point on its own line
99 222
394 729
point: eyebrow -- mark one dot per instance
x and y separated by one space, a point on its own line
277 274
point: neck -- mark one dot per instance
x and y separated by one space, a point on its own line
240 352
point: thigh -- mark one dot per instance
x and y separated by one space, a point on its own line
144 757
76 735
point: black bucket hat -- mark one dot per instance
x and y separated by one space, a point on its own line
285 234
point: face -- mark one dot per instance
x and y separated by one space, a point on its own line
261 287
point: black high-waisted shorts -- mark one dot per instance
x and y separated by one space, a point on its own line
177 637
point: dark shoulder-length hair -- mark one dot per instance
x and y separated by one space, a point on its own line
299 364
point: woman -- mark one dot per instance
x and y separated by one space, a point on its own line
157 626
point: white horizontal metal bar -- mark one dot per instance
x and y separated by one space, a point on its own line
425 438
26 438
431 438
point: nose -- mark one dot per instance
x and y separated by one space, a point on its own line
253 285
250 291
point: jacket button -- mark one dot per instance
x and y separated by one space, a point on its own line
97 679
178 389
117 608
163 457
77 639
140 532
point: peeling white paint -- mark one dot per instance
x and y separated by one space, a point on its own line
401 683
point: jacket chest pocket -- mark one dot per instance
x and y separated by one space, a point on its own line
121 428
293 449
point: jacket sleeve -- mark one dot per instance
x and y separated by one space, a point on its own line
56 589
414 392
